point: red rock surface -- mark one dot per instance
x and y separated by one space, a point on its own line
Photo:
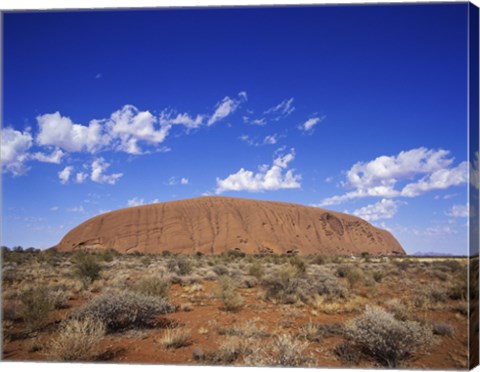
213 225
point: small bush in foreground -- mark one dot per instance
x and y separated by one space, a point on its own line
390 341
176 338
86 268
227 292
76 339
283 350
124 310
154 286
36 303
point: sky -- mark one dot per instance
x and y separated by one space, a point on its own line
357 109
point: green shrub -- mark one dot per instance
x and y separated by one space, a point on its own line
378 276
390 341
318 260
37 303
284 286
256 270
228 293
299 264
86 268
122 310
180 265
153 286
220 270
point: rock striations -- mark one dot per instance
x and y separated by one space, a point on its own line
212 225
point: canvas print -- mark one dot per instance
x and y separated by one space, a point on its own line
291 186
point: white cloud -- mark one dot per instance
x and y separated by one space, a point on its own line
226 107
169 118
310 123
14 150
98 167
274 178
129 126
65 174
81 177
379 177
271 139
60 131
261 121
382 210
54 208
438 180
283 109
458 210
136 201
172 181
55 157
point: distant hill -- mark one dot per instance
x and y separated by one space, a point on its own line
212 225
431 254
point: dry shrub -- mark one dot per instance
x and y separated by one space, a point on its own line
231 348
315 332
282 350
284 286
378 334
153 286
176 338
228 293
121 310
256 270
76 339
428 296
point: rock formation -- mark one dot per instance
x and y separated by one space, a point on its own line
212 225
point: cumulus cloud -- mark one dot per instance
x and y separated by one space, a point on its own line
458 210
281 110
422 170
135 202
275 177
99 166
226 107
129 126
310 124
14 150
61 131
382 210
184 181
81 177
55 157
65 174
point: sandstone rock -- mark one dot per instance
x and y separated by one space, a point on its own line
212 225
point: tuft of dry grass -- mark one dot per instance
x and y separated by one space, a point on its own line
76 339
176 338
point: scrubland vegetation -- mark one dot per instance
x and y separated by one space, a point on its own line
237 309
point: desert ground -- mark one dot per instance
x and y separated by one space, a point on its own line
235 309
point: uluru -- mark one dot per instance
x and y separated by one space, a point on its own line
212 225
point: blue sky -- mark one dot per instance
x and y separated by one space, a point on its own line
359 109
